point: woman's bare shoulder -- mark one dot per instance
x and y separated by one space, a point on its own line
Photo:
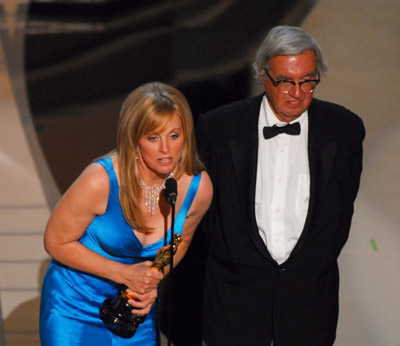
94 177
92 187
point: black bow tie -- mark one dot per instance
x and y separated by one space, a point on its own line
290 129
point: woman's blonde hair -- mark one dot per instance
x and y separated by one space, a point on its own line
150 107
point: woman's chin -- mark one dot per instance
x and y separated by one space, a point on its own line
164 171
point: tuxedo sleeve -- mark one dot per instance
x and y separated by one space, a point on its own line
206 153
353 177
204 143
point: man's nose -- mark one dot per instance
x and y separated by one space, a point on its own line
296 91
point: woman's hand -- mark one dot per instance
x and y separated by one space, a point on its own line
142 283
141 303
141 279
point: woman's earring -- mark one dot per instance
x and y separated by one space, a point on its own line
137 153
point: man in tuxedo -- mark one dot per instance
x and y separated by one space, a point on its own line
286 171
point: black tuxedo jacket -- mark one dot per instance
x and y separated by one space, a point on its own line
250 300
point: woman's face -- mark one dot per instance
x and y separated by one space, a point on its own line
159 152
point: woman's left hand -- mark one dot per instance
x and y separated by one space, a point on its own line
142 302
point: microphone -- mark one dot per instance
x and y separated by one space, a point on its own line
171 190
170 193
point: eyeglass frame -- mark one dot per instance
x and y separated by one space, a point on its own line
277 82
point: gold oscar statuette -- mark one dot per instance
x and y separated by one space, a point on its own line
116 312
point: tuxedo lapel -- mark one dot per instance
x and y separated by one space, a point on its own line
244 151
321 154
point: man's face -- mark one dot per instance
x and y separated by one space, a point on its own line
296 68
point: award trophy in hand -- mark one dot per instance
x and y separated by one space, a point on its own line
116 312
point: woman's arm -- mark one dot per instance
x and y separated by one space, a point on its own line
86 198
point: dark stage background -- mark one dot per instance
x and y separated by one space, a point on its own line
83 57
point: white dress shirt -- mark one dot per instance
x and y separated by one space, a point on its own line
282 186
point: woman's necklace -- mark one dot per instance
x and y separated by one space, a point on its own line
152 194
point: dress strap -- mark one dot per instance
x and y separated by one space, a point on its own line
106 163
114 186
187 203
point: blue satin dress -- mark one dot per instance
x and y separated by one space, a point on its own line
69 311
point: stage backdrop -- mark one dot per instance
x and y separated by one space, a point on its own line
45 111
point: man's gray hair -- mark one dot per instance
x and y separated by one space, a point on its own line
287 40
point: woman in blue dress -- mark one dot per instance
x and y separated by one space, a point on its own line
109 225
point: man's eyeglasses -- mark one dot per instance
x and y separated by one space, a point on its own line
285 86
